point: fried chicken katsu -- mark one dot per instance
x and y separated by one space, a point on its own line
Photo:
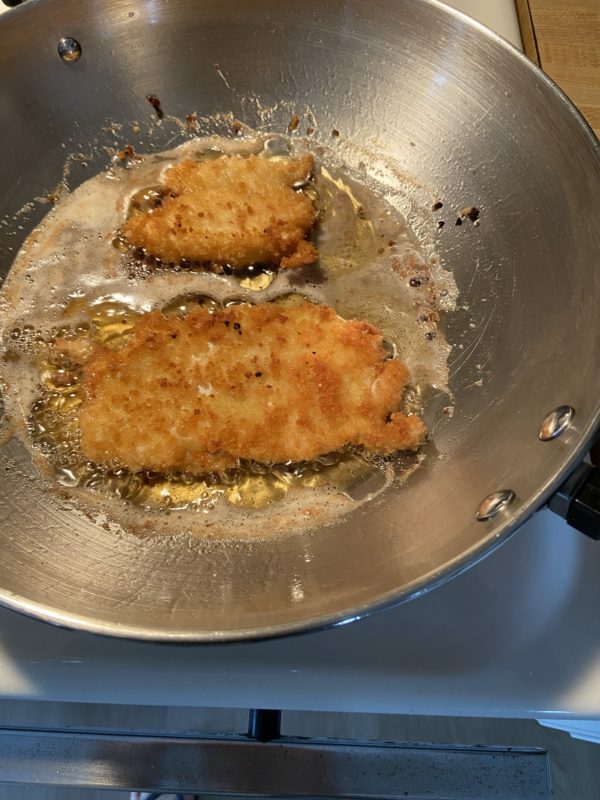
231 210
262 382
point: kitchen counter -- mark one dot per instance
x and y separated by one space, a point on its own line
563 37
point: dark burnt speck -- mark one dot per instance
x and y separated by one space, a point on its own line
414 282
470 212
458 221
436 206
155 103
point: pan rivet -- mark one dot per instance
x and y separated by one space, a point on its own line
556 422
494 503
69 49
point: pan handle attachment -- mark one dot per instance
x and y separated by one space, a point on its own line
578 500
12 3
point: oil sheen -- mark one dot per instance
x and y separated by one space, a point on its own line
75 278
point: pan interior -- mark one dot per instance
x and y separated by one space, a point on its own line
465 119
77 282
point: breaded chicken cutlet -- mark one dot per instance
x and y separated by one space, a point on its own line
261 382
231 210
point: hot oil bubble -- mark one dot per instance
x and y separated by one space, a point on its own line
146 199
256 278
236 301
211 154
390 349
276 146
291 299
120 243
413 399
182 305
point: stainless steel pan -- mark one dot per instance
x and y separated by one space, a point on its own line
465 114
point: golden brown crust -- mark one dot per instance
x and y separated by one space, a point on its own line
253 382
232 210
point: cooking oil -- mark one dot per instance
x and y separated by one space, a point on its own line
54 429
76 284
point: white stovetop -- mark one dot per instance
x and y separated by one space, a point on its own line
518 635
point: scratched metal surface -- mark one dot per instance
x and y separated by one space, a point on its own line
458 109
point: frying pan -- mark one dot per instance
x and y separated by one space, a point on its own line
474 122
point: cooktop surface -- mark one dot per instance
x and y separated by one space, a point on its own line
517 635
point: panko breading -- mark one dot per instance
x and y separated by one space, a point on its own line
232 210
261 382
